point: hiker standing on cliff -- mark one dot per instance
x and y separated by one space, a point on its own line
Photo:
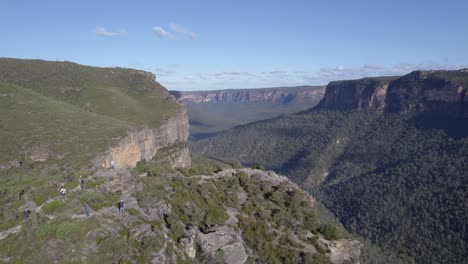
82 183
112 164
121 206
63 192
26 214
87 210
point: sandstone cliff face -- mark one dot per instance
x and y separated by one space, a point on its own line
275 95
441 92
430 91
170 138
367 93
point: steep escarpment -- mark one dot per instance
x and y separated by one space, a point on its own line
441 92
432 92
168 141
69 114
367 93
273 95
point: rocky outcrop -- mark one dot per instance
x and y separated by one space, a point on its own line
10 164
230 242
222 239
276 95
343 250
367 93
440 92
170 138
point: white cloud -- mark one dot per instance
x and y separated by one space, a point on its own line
161 33
177 28
100 31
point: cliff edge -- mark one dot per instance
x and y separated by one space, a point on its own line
436 92
70 115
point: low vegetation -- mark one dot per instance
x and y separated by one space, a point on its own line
270 212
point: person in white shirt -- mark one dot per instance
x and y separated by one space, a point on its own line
63 192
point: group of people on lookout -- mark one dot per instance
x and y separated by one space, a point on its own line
87 208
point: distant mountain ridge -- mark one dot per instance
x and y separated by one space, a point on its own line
214 111
276 94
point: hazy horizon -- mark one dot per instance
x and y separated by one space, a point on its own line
214 45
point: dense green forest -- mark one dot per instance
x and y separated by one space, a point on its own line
398 180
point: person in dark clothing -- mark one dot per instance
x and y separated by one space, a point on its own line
87 210
26 214
121 207
82 183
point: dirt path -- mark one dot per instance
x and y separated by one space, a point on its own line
10 231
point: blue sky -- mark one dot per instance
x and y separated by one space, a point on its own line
194 45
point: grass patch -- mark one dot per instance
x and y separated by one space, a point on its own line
133 211
53 206
65 228
97 200
40 198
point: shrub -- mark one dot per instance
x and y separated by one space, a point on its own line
215 216
112 248
329 232
177 231
149 245
317 258
236 165
133 211
142 166
160 169
258 167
